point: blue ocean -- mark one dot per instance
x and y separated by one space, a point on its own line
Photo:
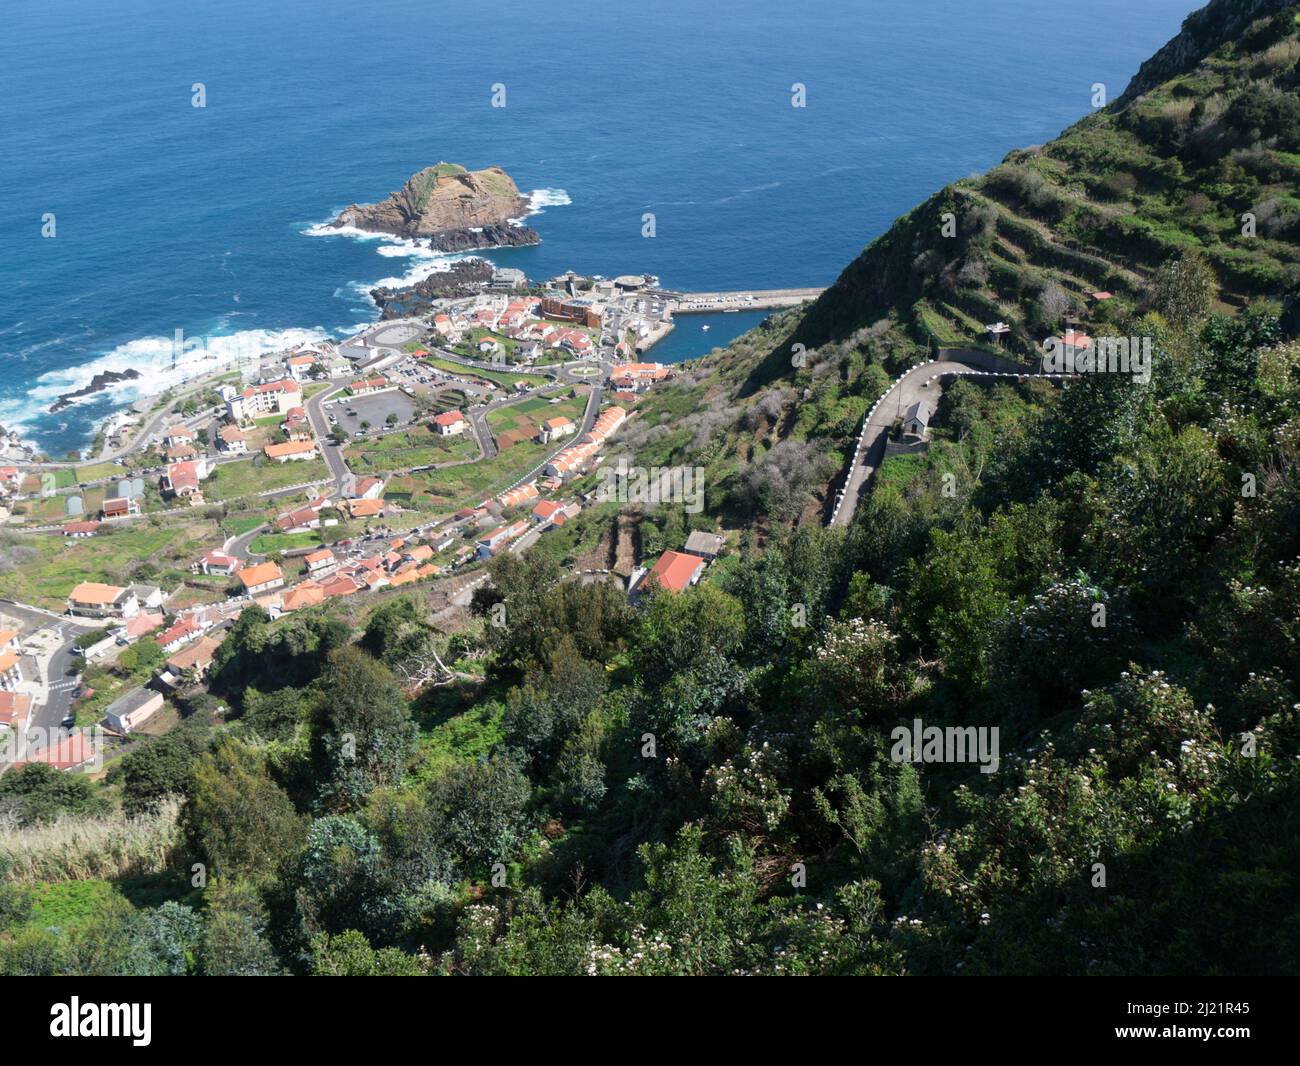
169 217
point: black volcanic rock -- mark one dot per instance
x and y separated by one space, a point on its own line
463 278
496 235
98 383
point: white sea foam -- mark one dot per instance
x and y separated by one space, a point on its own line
540 199
325 229
153 358
424 266
402 247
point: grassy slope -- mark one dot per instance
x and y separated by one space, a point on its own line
1170 165
1195 142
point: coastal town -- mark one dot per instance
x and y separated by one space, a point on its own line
412 452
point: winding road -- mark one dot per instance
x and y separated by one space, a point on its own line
921 382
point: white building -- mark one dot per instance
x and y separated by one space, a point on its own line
270 397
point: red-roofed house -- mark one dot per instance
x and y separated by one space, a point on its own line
80 529
523 494
368 488
639 375
675 571
299 366
365 508
299 521
70 751
233 440
291 450
217 562
342 585
321 561
120 507
178 434
305 594
270 397
1073 338
554 429
365 386
14 707
182 479
295 424
261 578
144 622
178 636
191 663
10 672
493 542
546 511
450 423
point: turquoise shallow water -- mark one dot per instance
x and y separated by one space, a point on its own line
171 217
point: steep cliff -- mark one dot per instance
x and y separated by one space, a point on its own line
1201 153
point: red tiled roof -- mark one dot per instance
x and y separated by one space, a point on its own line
252 576
14 707
292 447
339 586
675 570
306 594
365 508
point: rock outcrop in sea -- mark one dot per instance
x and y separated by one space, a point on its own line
454 209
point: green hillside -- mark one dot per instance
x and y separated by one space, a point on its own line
1173 167
1089 589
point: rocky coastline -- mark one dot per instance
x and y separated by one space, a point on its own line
463 278
497 235
98 383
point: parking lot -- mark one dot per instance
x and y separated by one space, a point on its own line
373 409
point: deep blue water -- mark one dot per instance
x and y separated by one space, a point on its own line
171 217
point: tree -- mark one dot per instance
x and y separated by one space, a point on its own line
160 767
531 611
1184 289
15 903
142 656
172 933
1231 350
350 955
258 654
37 793
952 599
340 882
362 733
396 631
274 715
238 820
234 935
685 663
479 808
551 706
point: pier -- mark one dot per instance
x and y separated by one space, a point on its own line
706 303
